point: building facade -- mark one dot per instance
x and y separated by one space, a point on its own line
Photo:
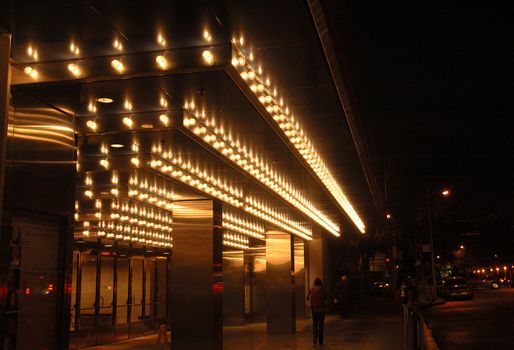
166 163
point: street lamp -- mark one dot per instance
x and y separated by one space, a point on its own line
461 246
445 193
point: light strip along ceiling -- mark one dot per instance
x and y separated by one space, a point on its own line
291 129
172 166
138 212
254 166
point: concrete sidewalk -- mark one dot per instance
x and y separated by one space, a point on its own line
376 324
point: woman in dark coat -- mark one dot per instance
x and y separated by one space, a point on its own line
317 297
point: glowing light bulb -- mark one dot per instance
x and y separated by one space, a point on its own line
135 161
207 57
74 69
32 72
128 122
165 120
92 125
207 36
161 40
117 45
162 61
104 163
118 65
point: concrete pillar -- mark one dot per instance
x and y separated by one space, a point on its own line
196 276
280 287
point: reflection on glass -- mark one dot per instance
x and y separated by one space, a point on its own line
161 288
88 289
149 289
73 290
122 290
137 290
106 293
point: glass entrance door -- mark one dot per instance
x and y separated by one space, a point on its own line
122 299
117 296
136 298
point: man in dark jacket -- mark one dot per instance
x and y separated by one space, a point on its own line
317 297
342 296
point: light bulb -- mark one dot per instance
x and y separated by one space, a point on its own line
165 120
118 65
207 57
32 72
128 122
162 61
91 124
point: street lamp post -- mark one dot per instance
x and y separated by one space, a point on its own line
431 234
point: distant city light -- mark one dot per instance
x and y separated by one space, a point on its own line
445 193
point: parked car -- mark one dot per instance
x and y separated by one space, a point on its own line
456 288
482 282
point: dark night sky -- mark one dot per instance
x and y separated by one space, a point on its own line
434 85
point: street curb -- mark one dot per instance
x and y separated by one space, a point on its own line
429 341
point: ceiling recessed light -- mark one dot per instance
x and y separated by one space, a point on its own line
104 100
117 145
146 126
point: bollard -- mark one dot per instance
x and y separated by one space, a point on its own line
162 338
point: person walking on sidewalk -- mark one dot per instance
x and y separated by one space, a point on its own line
317 297
342 296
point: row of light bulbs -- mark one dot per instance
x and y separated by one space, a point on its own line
117 44
276 214
260 171
236 241
286 225
243 224
127 104
129 122
157 218
195 180
152 194
117 231
184 172
292 130
125 219
176 160
117 64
